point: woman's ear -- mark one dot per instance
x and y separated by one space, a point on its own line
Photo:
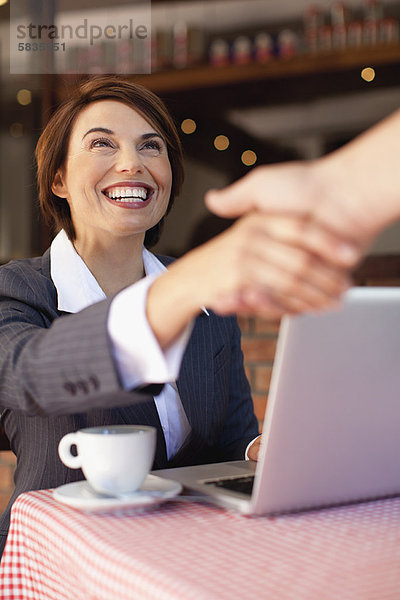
59 187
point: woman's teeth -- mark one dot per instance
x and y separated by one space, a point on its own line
128 194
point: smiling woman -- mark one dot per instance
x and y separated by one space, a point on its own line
99 330
117 186
52 147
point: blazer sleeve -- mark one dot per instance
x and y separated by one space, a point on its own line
240 425
51 365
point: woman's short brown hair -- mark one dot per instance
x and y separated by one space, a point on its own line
52 147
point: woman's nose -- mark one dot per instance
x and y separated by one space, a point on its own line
129 160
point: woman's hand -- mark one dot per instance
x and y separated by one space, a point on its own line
257 266
254 450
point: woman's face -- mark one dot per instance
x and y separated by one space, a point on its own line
117 175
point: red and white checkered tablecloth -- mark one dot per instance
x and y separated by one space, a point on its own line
195 552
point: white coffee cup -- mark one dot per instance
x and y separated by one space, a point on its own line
114 459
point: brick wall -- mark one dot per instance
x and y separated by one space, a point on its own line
7 467
259 344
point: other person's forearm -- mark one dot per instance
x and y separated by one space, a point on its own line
365 177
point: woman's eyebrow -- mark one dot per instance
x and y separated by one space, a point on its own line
144 136
102 129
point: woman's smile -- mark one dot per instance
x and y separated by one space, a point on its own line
129 194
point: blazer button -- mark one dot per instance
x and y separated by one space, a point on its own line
70 388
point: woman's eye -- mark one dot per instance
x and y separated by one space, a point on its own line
101 143
152 145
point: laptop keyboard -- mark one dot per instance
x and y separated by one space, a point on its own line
244 485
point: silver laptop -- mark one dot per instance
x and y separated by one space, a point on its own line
332 425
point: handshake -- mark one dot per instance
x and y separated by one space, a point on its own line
302 228
309 223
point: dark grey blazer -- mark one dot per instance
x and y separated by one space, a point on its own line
57 375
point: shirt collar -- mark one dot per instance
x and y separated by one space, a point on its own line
76 286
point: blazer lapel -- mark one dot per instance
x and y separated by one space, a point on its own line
196 382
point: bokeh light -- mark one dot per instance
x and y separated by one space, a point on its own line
188 126
221 142
24 97
249 158
368 74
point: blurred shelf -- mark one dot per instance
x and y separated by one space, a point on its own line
203 77
213 77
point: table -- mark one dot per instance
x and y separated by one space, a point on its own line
182 551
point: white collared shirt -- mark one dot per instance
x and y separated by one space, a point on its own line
137 354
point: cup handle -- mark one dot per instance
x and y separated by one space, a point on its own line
64 451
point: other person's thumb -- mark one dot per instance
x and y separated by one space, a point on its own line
230 202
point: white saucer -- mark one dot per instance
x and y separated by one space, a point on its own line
153 491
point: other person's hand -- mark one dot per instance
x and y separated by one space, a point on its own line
344 198
296 190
